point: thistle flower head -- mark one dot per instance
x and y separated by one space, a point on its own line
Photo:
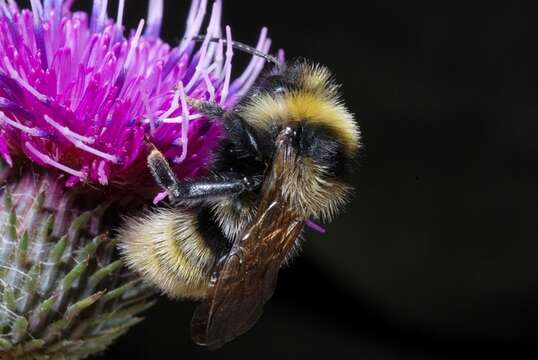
79 97
80 103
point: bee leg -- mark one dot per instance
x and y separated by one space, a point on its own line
212 187
161 171
210 109
222 185
235 125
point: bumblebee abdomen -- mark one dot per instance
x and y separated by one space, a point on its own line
167 248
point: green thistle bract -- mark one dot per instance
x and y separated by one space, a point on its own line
63 292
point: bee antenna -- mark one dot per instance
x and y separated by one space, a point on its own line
243 47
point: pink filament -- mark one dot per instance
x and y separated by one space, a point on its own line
227 66
160 197
184 125
49 161
315 226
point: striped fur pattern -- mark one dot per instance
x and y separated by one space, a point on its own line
314 97
167 249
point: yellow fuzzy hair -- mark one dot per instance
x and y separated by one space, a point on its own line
165 248
316 100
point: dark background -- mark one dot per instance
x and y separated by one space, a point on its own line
436 256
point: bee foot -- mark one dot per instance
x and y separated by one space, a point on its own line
240 252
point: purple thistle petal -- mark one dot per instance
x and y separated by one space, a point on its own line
42 158
78 96
184 125
160 197
30 131
155 17
98 15
194 22
4 151
227 66
240 81
281 56
315 226
37 11
119 17
258 66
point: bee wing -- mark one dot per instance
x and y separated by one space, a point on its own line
246 278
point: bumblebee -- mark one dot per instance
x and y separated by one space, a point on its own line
288 146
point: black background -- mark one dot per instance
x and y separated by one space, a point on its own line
436 255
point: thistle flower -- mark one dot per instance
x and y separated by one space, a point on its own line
80 102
